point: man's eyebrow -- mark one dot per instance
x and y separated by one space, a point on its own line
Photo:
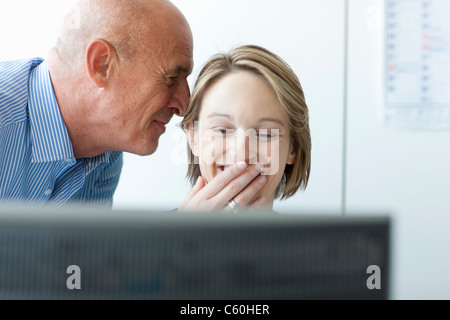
179 69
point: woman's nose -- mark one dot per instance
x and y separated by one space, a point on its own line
245 147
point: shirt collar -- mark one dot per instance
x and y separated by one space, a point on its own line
91 164
49 137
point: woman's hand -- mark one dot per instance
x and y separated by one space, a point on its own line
239 183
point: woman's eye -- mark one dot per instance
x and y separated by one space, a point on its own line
223 131
267 134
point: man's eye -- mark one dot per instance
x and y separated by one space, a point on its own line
172 80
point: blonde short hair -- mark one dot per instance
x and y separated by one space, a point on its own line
287 87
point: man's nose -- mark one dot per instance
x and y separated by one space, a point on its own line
181 99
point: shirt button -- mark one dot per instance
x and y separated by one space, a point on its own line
48 192
68 160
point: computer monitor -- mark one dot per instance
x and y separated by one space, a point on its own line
116 254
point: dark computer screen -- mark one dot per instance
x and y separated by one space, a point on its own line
166 255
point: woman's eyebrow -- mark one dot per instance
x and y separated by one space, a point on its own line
215 114
271 120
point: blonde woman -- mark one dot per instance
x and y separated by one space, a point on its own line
247 107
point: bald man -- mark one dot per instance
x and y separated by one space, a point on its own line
111 85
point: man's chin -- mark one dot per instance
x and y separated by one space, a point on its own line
149 151
144 150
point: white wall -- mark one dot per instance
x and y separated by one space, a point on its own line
30 28
403 172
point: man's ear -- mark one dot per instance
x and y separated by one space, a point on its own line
192 138
100 57
292 156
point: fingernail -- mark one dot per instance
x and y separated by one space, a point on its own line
241 165
262 201
258 167
262 180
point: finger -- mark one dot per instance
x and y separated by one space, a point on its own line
195 189
240 183
218 184
257 205
246 196
227 208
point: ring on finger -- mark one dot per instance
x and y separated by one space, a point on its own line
232 204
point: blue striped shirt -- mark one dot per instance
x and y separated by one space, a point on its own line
37 163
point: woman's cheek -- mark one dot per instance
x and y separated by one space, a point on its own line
269 157
215 151
207 151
